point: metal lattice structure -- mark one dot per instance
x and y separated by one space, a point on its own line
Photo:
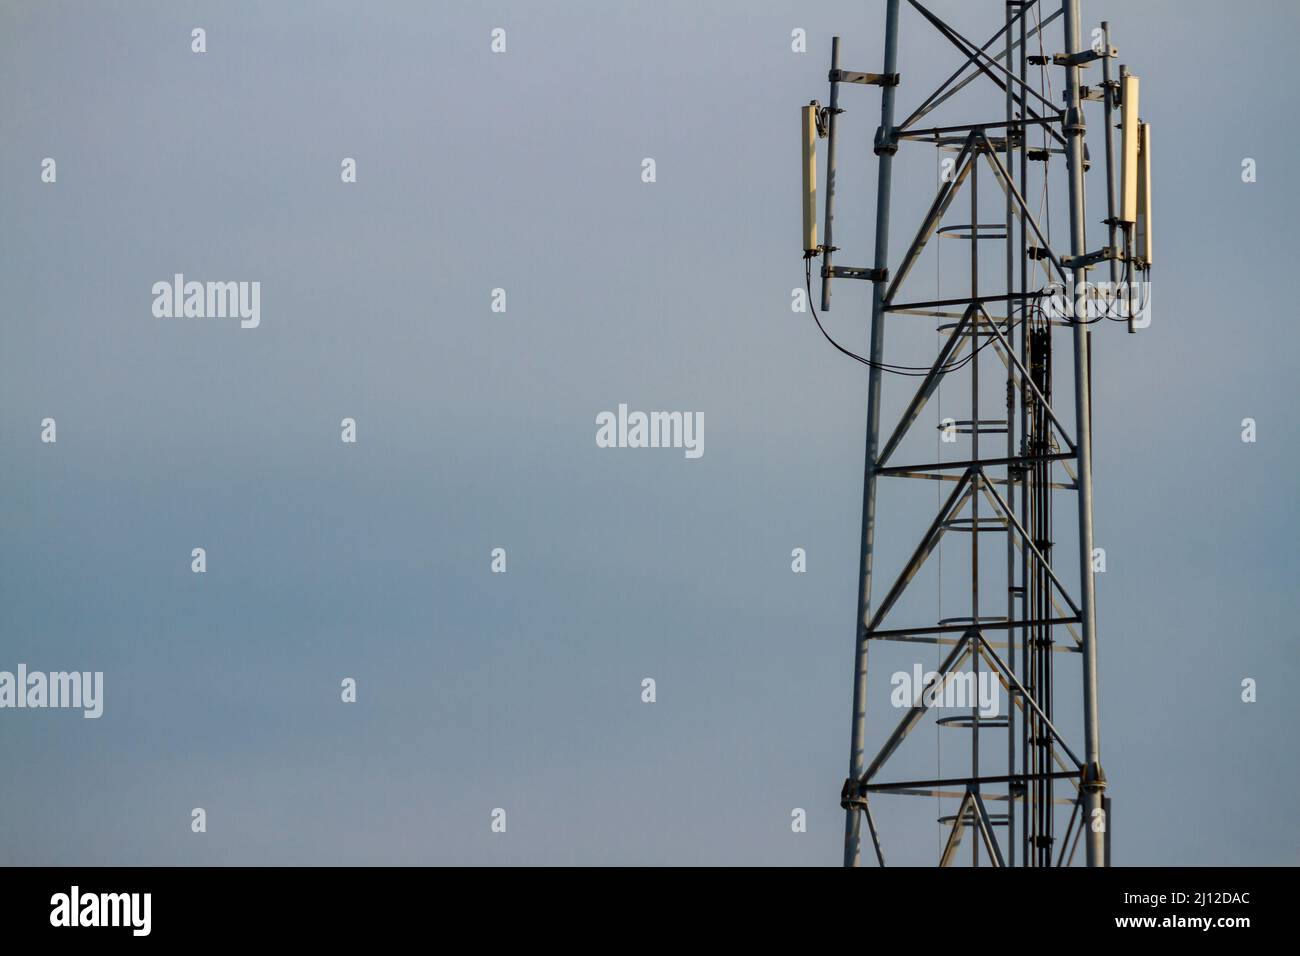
1042 616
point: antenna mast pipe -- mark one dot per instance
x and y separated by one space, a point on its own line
886 146
1094 780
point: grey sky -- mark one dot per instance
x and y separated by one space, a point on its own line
476 430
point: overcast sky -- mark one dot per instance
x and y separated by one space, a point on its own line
523 171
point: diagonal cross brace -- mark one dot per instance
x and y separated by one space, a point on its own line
1028 542
972 51
989 654
986 829
1004 180
1028 380
982 824
954 835
955 502
956 657
942 94
956 341
947 192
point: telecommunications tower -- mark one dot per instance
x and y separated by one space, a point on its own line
1026 621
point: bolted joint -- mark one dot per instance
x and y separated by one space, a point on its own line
849 795
1094 778
855 272
1083 57
886 142
867 79
1073 122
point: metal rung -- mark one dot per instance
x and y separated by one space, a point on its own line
868 79
987 426
985 524
981 332
995 819
855 272
965 721
981 231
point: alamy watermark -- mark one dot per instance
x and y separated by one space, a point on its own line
82 690
1094 301
651 430
208 300
964 690
76 908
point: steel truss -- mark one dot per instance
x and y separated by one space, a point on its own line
1049 604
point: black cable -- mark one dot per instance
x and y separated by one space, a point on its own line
913 371
1128 273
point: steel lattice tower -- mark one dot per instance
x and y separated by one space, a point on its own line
1044 608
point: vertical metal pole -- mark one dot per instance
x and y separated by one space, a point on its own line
832 112
885 149
1024 446
1094 780
1111 221
1011 451
975 327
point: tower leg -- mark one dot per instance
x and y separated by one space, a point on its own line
1094 780
885 148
